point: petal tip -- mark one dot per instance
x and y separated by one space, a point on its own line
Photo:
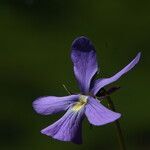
137 58
139 55
43 132
118 115
34 105
82 43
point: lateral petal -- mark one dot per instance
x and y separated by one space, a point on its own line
98 115
100 83
51 104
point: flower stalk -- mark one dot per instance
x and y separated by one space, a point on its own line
117 123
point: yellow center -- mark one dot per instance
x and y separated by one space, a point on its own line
80 104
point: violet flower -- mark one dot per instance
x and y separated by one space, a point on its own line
68 128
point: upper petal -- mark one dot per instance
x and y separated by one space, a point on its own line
52 104
67 128
83 56
100 83
98 115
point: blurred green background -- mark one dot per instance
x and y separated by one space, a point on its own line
35 39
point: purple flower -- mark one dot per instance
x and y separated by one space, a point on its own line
68 128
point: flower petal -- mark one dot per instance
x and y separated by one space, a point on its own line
67 128
52 104
100 83
98 115
85 64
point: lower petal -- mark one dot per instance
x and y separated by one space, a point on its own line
98 115
67 128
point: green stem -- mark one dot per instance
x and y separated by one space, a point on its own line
117 124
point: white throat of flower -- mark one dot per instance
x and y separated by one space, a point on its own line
81 103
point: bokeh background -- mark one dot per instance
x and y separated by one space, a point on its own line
35 39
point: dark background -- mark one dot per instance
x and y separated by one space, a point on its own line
35 39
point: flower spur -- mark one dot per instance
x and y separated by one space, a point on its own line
79 106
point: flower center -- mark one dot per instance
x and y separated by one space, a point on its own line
81 103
